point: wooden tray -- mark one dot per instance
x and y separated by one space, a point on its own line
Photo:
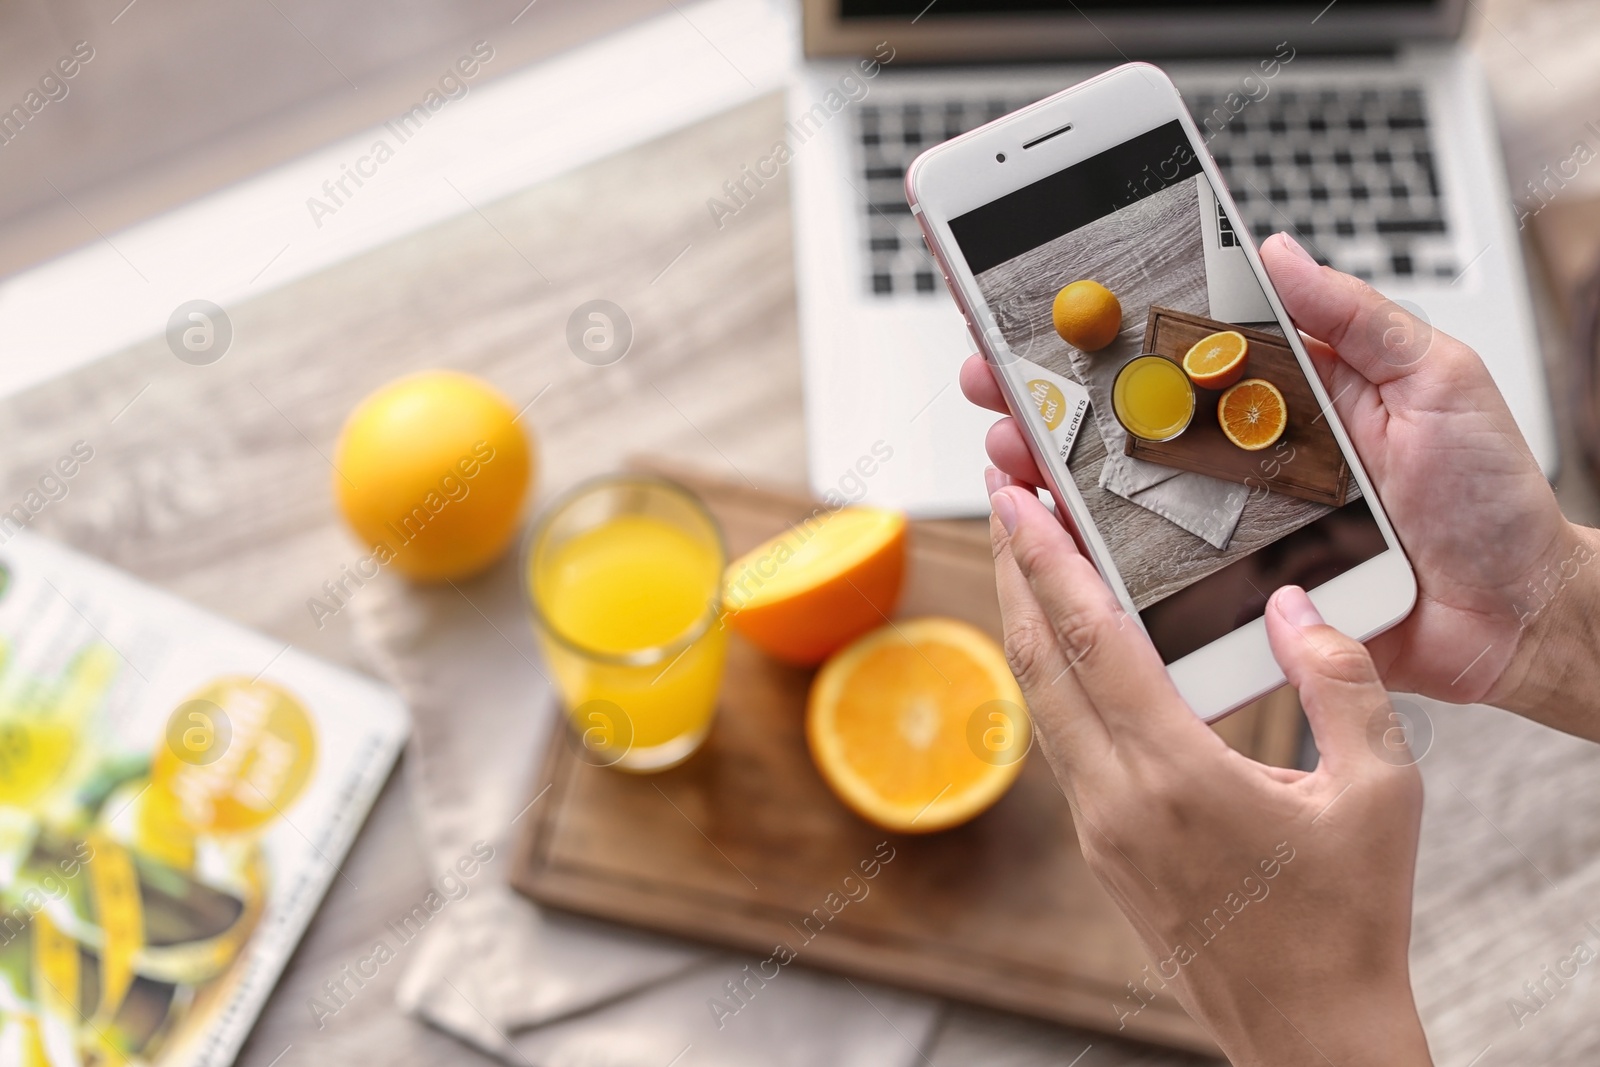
1306 463
740 844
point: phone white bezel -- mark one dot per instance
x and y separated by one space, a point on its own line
959 175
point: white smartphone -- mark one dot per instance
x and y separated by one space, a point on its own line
1182 431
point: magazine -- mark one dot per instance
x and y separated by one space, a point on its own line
176 794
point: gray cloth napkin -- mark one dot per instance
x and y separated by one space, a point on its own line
548 988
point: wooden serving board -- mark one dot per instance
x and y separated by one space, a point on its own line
740 844
1305 463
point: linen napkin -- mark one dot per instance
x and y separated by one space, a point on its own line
529 985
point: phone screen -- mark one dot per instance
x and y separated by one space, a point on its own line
1138 328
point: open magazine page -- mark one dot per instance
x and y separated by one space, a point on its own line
176 793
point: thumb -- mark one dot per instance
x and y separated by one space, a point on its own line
1382 340
1338 685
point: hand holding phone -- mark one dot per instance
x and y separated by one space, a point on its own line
1500 568
1260 894
1168 403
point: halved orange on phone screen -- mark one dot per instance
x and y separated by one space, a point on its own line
1216 361
1253 414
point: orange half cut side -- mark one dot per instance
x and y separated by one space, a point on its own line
919 726
1253 414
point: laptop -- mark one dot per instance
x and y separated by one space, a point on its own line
1362 127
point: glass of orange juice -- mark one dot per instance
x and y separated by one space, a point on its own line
1153 398
624 575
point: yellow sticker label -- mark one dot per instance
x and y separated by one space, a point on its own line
1047 397
236 755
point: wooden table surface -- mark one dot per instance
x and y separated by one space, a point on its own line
212 482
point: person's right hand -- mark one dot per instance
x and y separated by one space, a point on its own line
1507 601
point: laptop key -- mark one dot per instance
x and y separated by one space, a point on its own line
1393 227
1424 160
924 281
882 283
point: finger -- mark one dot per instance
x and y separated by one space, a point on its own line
1069 730
978 384
1373 334
1347 389
1008 451
1338 685
1105 651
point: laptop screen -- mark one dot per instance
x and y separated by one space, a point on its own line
983 30
875 9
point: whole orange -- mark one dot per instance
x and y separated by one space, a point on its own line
1087 315
431 474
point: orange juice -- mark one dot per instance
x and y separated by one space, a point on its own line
1153 398
628 610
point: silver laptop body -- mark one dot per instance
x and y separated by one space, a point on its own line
1365 131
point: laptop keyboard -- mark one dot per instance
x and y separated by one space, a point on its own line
1350 172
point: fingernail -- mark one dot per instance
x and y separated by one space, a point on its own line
1295 606
1294 246
1005 510
993 480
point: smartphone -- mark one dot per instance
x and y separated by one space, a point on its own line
1183 434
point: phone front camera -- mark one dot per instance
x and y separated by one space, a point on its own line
1000 157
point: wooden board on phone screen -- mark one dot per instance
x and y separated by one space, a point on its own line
1306 461
743 841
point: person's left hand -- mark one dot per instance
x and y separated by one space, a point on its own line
1274 904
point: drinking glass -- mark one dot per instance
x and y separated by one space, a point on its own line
624 578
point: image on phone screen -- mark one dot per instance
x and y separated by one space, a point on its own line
1209 489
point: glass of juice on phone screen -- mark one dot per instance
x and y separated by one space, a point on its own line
624 577
1103 269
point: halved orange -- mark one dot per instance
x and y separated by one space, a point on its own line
1216 361
918 726
818 585
1253 414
